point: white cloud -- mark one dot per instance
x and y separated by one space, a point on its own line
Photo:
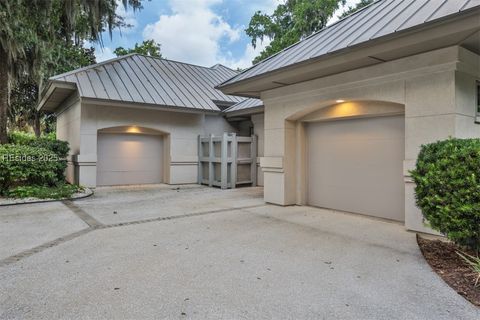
104 53
245 60
192 32
128 16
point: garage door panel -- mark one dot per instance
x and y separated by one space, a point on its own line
112 178
136 163
357 166
358 198
129 159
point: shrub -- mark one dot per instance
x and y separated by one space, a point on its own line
57 192
49 142
19 137
22 165
60 148
447 177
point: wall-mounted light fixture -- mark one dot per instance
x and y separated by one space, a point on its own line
340 101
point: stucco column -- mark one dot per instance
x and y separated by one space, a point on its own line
279 161
429 117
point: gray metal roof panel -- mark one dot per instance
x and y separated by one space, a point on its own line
245 104
142 79
160 93
145 80
381 18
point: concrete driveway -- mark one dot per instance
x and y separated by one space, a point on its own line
159 252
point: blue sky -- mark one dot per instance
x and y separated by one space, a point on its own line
203 32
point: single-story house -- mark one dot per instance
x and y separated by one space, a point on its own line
347 109
340 116
137 119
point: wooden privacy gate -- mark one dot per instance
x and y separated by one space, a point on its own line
227 161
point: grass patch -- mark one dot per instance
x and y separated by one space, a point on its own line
42 192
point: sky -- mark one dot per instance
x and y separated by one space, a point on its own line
202 32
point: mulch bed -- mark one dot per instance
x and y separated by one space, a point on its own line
443 258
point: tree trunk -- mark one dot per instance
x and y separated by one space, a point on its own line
36 124
3 96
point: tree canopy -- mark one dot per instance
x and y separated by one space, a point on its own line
24 95
290 22
358 6
147 48
33 33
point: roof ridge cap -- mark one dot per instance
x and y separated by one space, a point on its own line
92 66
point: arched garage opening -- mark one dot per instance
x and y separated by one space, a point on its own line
129 155
353 155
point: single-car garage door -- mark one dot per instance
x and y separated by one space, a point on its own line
356 165
129 159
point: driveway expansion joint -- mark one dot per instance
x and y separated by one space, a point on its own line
79 212
96 225
182 216
27 253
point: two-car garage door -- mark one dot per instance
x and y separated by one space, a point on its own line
357 165
125 158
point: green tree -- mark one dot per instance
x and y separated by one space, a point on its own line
290 22
25 93
147 48
32 30
358 6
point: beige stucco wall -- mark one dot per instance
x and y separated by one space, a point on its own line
80 124
435 88
217 125
68 129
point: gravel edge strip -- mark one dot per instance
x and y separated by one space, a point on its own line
88 192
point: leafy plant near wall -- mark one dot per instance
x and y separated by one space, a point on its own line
49 142
34 167
447 177
25 165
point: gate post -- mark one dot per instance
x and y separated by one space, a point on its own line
233 168
253 155
211 158
200 156
224 162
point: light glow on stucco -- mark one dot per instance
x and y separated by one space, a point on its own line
133 129
345 110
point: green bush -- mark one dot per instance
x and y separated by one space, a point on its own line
19 137
48 141
60 148
447 177
41 192
25 165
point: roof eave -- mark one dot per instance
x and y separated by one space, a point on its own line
245 112
249 87
60 89
148 106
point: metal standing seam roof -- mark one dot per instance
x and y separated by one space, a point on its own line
379 19
245 104
142 79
